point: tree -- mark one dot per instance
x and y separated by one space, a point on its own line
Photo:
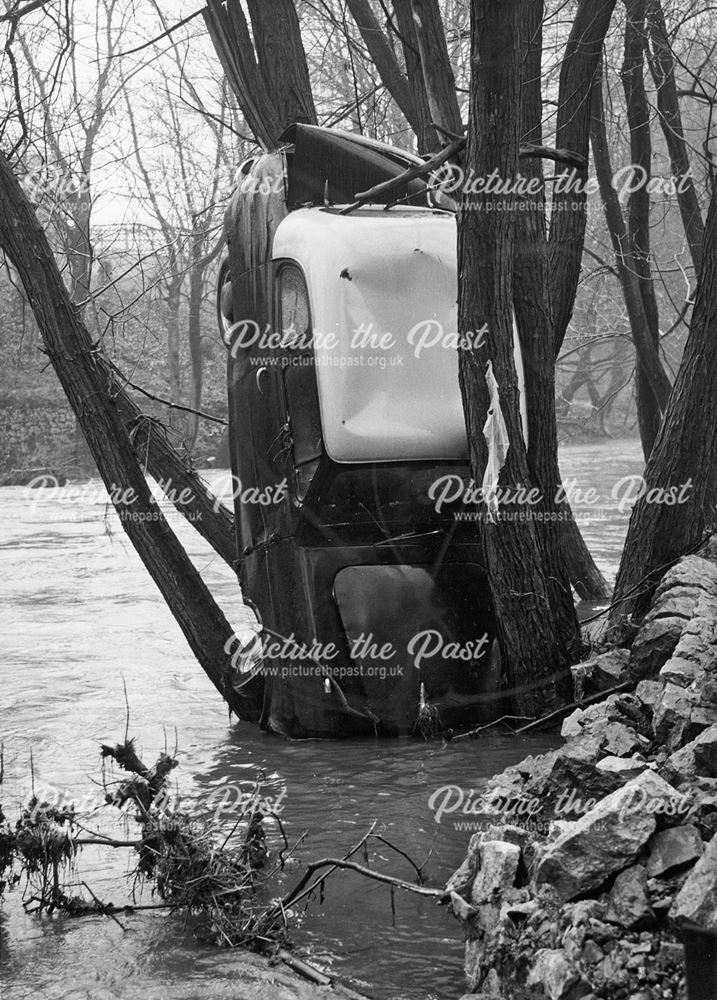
678 505
87 384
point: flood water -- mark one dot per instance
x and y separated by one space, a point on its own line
81 621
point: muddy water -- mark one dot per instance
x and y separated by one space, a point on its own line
81 620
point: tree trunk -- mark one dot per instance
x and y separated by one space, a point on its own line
194 331
74 358
627 269
282 60
386 63
684 460
533 647
662 67
568 214
428 139
438 75
561 541
649 410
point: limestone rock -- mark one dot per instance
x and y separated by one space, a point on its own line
628 903
697 899
672 719
619 740
604 840
649 693
626 767
654 645
672 848
572 724
554 973
601 673
499 862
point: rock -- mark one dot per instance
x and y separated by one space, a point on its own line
572 724
619 740
499 862
583 911
697 899
626 767
628 903
705 752
672 848
574 774
681 672
553 972
649 693
463 910
604 840
601 673
654 645
592 953
672 719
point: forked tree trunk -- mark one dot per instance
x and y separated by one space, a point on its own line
683 462
75 360
561 541
639 112
536 647
569 213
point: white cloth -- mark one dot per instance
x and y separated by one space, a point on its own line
496 436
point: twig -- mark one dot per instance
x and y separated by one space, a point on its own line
399 883
412 863
474 732
104 909
626 685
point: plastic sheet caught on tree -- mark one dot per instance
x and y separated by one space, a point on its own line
496 436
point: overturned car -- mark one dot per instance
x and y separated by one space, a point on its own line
356 550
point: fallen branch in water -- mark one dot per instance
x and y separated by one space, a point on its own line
399 883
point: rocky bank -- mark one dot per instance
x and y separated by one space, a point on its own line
590 859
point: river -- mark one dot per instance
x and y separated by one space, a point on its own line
82 621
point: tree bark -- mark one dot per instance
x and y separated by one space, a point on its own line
74 358
662 67
282 60
561 541
627 269
684 459
428 139
386 63
438 75
533 646
568 212
649 410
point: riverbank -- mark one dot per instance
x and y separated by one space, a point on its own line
588 860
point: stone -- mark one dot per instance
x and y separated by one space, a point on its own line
499 862
619 740
601 672
672 848
654 645
464 911
604 840
554 973
672 719
705 752
592 953
681 672
626 767
583 777
697 899
649 693
572 724
628 903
